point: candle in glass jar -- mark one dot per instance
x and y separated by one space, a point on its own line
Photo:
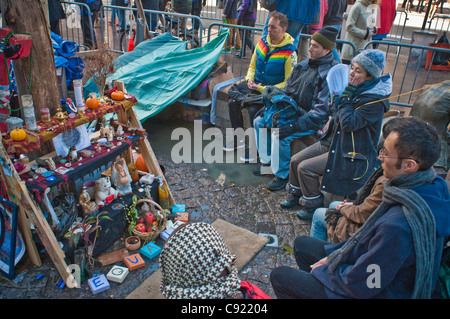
45 115
28 112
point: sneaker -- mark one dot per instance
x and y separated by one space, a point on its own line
226 51
239 55
277 183
290 201
312 203
305 213
235 50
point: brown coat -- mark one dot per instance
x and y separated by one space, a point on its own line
354 216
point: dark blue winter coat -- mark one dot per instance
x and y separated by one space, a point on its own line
346 172
389 245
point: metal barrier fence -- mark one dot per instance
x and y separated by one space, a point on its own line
439 24
411 67
118 36
78 25
398 27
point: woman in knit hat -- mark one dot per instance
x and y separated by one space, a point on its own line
344 158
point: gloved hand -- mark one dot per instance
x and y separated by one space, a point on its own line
287 130
349 90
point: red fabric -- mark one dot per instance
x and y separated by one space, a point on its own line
387 16
253 291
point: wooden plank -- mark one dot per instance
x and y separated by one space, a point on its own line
113 257
34 213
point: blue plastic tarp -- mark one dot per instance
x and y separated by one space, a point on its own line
161 70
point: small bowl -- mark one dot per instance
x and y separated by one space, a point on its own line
132 243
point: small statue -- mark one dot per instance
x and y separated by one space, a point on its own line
73 155
104 193
121 176
119 131
110 133
89 207
51 164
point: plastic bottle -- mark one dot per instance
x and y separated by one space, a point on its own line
163 194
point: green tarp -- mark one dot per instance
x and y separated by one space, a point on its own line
159 71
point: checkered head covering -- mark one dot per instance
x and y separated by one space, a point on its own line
196 264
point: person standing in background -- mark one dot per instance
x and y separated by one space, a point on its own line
246 17
229 16
358 31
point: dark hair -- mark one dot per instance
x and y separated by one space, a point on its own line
417 140
284 22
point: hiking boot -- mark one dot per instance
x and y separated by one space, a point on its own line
263 169
277 183
305 213
311 202
292 199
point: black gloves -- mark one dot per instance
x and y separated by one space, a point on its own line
287 130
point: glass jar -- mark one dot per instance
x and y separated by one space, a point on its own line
78 90
28 112
45 115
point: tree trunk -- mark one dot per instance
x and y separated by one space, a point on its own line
28 16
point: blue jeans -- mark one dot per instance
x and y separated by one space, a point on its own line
318 223
294 29
272 150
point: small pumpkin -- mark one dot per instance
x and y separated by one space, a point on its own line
92 103
117 95
140 164
18 134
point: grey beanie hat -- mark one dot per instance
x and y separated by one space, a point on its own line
373 61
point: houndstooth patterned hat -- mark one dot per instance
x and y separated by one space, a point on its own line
197 264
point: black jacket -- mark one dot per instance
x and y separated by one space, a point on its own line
351 160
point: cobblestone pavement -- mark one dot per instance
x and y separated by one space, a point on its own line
251 207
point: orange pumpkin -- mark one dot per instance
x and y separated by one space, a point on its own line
92 103
117 95
18 134
140 164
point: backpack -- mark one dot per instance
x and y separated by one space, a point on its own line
252 291
279 108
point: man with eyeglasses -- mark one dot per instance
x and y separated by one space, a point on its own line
397 252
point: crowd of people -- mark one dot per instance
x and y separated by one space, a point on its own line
386 239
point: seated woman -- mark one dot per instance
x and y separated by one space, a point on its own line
343 219
345 155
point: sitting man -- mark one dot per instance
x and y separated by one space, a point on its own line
271 64
397 252
307 86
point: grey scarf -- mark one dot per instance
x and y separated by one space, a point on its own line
398 190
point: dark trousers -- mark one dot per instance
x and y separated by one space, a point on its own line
196 11
246 36
236 113
292 283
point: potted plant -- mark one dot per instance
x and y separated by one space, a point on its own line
88 230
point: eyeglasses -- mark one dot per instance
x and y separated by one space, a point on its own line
383 151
